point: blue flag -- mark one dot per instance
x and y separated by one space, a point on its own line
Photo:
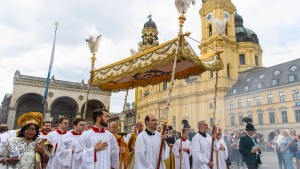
50 68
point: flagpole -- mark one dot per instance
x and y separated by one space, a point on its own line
44 100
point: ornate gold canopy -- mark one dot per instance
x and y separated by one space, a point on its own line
154 66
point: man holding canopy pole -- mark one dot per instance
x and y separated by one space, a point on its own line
147 146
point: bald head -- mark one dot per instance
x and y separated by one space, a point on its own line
202 126
140 127
112 127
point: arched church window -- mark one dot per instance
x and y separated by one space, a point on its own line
211 74
209 30
228 70
165 86
256 61
242 59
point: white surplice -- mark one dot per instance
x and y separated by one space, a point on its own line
222 154
146 151
128 136
201 147
53 137
65 149
8 134
103 159
185 163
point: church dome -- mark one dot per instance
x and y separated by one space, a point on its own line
150 24
242 33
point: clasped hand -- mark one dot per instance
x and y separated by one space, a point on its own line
100 146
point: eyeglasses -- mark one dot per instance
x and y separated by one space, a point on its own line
30 129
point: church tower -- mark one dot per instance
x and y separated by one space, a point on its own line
241 52
149 35
193 97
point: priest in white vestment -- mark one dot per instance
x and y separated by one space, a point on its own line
97 147
220 153
184 149
147 146
128 136
201 146
54 138
67 144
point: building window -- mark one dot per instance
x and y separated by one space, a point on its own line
276 72
240 103
211 105
282 96
211 74
231 105
240 120
249 79
249 100
261 77
234 91
226 29
284 116
272 117
270 98
165 86
296 95
210 30
274 82
293 68
256 61
232 120
211 121
246 88
242 59
174 121
259 85
259 100
291 78
260 118
297 115
250 116
228 70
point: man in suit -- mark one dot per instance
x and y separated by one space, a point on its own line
249 148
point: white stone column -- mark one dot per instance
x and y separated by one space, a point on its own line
11 118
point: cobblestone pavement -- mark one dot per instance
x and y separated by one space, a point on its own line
269 160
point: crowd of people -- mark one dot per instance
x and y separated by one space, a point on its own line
99 144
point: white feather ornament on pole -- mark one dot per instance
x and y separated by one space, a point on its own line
183 5
93 43
220 26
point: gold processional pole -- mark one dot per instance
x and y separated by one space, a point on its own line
93 43
220 27
182 8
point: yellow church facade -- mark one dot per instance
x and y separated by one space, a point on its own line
192 98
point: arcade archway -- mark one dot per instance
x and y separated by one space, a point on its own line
27 103
91 106
64 106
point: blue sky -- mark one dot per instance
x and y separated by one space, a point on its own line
27 29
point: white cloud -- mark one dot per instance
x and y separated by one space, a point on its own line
27 29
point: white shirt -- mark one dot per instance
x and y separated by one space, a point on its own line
65 150
185 161
103 159
201 147
146 151
54 138
222 154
